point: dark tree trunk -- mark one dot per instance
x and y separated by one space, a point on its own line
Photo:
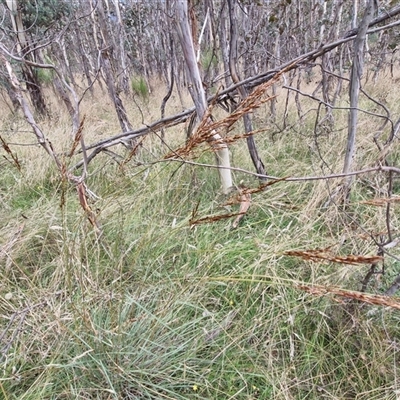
248 125
34 89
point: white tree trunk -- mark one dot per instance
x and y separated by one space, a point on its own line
354 91
16 20
198 93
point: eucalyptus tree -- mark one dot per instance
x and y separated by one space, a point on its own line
354 89
197 91
243 93
34 24
111 55
233 40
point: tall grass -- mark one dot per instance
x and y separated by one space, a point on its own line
159 309
140 87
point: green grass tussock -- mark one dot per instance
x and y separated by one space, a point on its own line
158 309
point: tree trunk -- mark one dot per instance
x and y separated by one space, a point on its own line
106 54
248 125
30 77
197 92
84 59
354 90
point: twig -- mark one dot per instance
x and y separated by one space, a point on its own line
288 179
335 107
22 314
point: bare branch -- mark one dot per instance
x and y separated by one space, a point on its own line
287 179
335 107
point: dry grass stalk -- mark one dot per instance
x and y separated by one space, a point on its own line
82 190
235 199
78 137
327 255
381 201
243 197
223 326
206 129
212 218
385 301
7 247
12 155
131 154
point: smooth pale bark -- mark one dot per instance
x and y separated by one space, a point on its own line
224 45
354 90
119 38
197 91
323 24
354 16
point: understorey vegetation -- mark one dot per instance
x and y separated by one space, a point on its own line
180 220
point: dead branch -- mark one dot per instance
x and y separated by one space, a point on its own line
395 286
385 117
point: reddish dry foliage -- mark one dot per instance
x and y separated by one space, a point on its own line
212 218
386 301
81 189
242 198
77 138
236 199
7 149
327 255
207 129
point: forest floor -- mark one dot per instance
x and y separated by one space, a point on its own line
162 307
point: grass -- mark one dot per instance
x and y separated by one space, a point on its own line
158 309
140 87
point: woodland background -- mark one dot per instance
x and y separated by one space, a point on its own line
199 199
